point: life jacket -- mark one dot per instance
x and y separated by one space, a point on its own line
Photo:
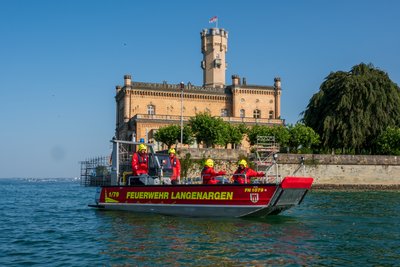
141 164
143 159
240 175
173 162
176 168
208 174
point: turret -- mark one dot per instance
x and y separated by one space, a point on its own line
235 80
277 86
127 102
127 80
277 83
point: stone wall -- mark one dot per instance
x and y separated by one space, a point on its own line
217 154
327 170
341 159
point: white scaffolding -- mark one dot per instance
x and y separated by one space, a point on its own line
265 154
264 151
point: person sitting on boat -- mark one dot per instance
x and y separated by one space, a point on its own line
140 161
208 173
243 174
175 165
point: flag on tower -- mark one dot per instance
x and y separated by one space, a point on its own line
213 19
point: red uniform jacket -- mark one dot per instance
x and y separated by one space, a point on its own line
240 174
140 164
176 167
208 174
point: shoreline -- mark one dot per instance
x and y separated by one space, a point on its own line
356 187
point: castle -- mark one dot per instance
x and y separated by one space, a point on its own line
142 108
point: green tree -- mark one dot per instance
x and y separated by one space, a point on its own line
171 134
353 108
235 134
280 133
389 142
209 130
186 164
302 138
243 129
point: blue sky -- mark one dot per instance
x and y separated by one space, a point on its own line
61 60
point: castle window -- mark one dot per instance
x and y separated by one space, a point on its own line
224 112
242 113
271 114
217 63
257 114
151 110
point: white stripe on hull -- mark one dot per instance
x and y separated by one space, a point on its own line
187 209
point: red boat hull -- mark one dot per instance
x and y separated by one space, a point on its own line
224 200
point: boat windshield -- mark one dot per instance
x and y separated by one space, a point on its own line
161 160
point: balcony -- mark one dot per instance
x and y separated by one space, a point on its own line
176 118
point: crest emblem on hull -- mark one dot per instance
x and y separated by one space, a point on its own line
254 197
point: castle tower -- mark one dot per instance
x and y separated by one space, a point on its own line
214 45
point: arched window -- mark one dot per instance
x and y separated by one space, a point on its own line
257 114
242 113
271 114
151 110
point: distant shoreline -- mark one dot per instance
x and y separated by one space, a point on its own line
356 187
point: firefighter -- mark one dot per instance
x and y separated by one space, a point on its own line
243 174
208 173
175 165
140 161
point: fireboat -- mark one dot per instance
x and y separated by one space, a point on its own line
262 196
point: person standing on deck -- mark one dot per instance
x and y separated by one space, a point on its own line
243 174
140 161
208 173
175 165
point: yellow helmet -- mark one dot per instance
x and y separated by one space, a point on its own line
209 163
243 162
171 151
142 147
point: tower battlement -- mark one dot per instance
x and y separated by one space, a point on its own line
214 31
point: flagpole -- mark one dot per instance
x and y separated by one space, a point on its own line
182 86
214 20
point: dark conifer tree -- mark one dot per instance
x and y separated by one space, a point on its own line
353 108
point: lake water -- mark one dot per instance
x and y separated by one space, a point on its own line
46 222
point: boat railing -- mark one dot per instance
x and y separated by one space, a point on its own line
116 169
301 167
145 180
268 178
122 158
191 180
95 171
